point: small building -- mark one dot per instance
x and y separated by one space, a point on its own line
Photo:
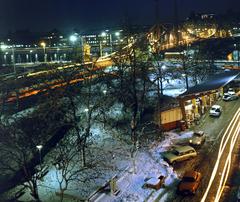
198 99
169 119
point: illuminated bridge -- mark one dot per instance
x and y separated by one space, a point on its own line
163 38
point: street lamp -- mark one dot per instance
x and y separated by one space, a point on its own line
77 41
58 58
103 35
236 49
43 44
104 92
73 38
13 61
117 34
39 148
3 48
30 53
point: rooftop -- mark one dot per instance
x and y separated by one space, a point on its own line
213 83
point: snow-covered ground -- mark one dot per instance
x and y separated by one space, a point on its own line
148 164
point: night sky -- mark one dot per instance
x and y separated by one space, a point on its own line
44 15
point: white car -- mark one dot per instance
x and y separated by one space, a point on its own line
230 96
215 111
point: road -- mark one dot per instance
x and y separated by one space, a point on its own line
223 163
221 137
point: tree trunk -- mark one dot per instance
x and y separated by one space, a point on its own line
34 191
135 101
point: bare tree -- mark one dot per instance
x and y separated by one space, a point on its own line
131 85
17 155
65 160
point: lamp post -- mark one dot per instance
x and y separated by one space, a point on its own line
43 44
161 69
185 74
39 148
104 92
3 48
77 42
117 39
103 35
58 58
236 49
13 61
73 38
30 53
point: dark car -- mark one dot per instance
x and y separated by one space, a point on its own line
189 183
198 138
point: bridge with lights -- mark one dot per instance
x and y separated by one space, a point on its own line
163 38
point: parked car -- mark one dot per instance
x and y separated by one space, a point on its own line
189 183
198 138
231 90
215 110
230 96
178 154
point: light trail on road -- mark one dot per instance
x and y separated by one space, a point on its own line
227 165
224 141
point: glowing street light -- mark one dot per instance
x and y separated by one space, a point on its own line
103 34
31 55
39 148
43 44
3 47
73 38
117 34
104 92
